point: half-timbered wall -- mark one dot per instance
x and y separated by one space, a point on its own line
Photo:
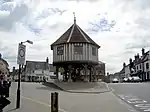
68 52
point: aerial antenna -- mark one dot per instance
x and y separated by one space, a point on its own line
74 17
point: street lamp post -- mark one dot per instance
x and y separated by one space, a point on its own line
19 79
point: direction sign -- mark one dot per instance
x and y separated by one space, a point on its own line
21 54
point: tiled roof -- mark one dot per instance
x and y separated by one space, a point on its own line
145 57
74 34
36 65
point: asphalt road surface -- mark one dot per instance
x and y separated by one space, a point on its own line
135 94
72 102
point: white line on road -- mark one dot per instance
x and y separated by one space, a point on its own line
137 102
112 90
39 102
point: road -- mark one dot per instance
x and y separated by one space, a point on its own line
135 94
72 102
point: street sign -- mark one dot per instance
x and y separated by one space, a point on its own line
21 54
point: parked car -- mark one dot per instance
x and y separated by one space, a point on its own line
115 80
125 79
129 79
136 79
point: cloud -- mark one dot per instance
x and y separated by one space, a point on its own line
120 27
14 12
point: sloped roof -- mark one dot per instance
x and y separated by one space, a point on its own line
122 71
36 65
74 34
142 59
145 57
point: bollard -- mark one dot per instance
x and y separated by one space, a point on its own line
54 102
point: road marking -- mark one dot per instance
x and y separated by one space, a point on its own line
137 102
112 90
39 102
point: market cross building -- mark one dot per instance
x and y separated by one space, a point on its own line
77 54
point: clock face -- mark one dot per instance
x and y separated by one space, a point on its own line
37 66
21 52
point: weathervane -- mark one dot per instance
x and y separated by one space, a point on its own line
74 17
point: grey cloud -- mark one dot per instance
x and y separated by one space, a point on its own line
7 6
6 23
76 0
37 47
50 11
133 4
8 53
102 25
10 58
138 45
31 23
143 22
111 68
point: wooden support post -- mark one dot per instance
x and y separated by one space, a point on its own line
57 72
90 77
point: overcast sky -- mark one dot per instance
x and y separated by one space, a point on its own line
120 27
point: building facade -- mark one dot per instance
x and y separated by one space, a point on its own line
139 66
36 70
77 54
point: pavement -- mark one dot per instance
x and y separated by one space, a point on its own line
27 105
80 87
135 94
36 98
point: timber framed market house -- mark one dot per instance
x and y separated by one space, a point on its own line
77 54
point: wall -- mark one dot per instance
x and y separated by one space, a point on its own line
70 56
127 71
147 70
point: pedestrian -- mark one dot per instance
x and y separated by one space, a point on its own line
4 91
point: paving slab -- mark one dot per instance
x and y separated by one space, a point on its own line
27 105
80 87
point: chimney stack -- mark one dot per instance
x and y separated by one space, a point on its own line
47 60
135 57
138 56
130 60
124 65
143 51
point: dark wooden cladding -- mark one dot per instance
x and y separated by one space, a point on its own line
75 51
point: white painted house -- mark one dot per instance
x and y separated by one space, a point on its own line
140 66
36 70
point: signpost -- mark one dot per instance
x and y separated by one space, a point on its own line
20 61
